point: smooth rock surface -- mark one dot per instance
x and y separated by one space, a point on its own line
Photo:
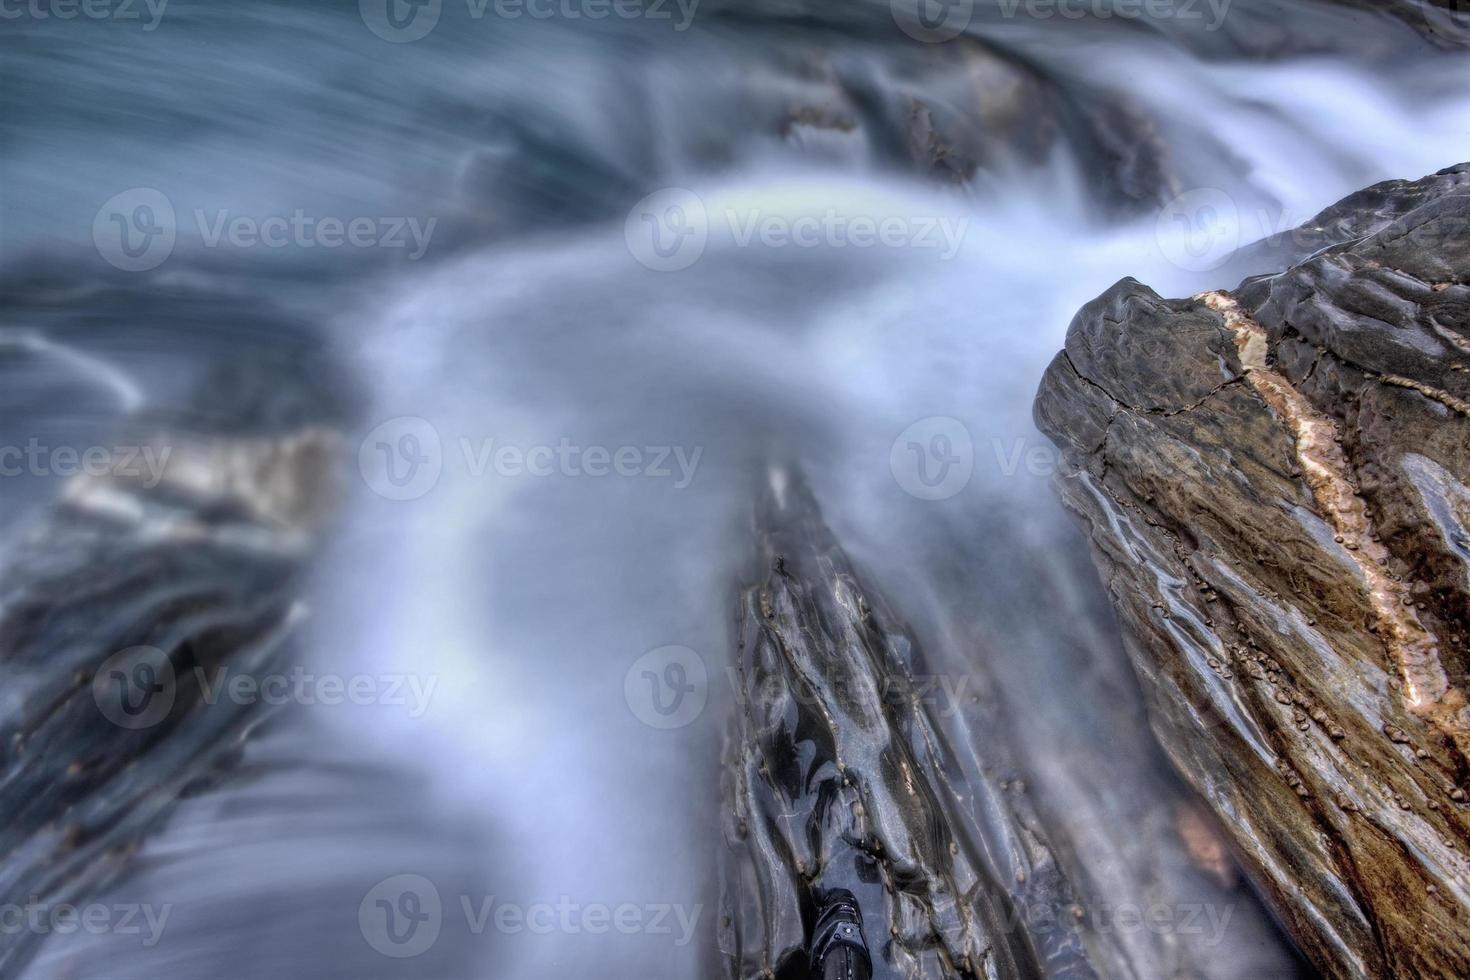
983 836
1275 485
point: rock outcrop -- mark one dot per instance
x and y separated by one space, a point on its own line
167 567
1276 483
838 776
856 760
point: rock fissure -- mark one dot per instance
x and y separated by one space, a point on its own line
1413 648
1289 566
1443 397
1157 412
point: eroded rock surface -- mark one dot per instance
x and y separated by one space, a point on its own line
1276 481
974 849
838 777
128 601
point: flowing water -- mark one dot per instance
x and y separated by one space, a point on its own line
559 413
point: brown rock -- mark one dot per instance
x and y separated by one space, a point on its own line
1291 462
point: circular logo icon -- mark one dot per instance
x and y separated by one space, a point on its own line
400 21
135 688
1448 19
401 916
1198 230
667 230
933 459
932 21
667 687
135 230
402 458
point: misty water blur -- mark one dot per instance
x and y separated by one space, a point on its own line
532 318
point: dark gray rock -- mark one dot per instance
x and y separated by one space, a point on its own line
133 588
1275 486
1010 834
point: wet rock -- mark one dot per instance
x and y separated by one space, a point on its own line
126 602
121 616
1446 23
837 778
1274 481
956 111
843 769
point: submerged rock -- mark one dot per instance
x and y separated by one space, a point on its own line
123 614
970 853
838 778
167 568
1276 482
